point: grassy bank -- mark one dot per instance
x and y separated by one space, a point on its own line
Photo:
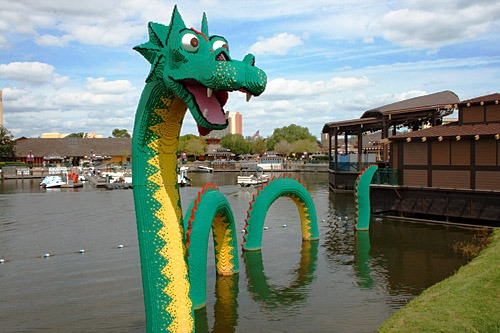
467 301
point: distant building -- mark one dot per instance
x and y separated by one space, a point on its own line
54 135
93 135
74 150
234 127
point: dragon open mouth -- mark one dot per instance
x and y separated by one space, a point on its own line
210 103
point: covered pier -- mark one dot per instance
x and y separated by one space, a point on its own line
414 114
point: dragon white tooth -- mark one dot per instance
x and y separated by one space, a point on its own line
205 112
249 95
209 92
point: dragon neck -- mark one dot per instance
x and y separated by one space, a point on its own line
165 275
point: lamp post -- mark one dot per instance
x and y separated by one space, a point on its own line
30 157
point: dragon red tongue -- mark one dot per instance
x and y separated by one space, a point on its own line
210 107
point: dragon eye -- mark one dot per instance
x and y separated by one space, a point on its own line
190 42
220 43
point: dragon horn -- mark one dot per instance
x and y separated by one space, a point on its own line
176 20
204 25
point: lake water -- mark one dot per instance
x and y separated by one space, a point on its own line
345 282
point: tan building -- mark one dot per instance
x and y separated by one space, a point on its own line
235 126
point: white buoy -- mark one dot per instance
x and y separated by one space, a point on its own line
284 225
120 246
265 228
82 251
242 231
46 255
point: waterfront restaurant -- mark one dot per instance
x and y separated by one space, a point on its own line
412 113
449 172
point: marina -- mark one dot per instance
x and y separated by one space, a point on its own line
91 281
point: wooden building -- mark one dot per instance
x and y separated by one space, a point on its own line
448 172
412 113
73 150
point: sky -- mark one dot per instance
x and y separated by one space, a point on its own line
68 66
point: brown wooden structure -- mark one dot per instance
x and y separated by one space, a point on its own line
448 172
412 113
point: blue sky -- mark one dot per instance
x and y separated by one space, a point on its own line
68 66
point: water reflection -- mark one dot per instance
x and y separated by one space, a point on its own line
413 257
362 258
401 257
225 307
272 296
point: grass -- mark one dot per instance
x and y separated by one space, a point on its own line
468 301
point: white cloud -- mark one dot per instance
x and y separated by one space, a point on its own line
432 24
14 93
362 102
99 86
281 88
51 40
35 73
279 44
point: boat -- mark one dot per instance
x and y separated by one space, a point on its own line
251 176
52 181
203 168
182 178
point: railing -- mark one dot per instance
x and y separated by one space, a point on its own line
385 176
349 166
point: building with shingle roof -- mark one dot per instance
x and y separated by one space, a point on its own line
413 113
74 150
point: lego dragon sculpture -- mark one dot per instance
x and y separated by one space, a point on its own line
189 69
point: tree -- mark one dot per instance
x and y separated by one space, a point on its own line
7 149
120 133
77 135
183 140
283 148
196 147
305 145
259 146
235 143
289 133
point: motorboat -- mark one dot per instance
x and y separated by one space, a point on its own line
52 181
203 168
127 177
251 176
182 178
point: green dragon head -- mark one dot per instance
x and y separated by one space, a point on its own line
197 67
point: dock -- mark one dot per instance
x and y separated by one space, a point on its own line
72 185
